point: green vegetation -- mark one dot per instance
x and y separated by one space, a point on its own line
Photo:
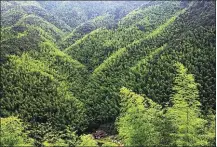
35 21
107 141
109 144
140 121
141 72
80 31
136 124
87 140
140 66
185 113
12 133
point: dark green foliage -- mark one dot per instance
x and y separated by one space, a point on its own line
41 85
39 96
64 63
195 47
115 69
13 10
41 91
92 50
106 21
11 16
18 39
157 81
35 21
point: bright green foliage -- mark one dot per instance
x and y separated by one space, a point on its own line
12 133
104 21
87 140
160 28
109 144
119 53
112 59
59 142
136 121
60 138
157 82
41 23
63 64
185 113
117 66
71 71
98 45
141 66
45 78
146 20
47 136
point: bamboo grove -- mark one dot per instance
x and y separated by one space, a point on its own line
142 71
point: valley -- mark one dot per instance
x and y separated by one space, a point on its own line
141 72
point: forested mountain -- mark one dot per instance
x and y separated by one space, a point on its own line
143 72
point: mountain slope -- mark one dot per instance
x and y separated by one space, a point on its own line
17 9
64 63
44 80
106 43
157 81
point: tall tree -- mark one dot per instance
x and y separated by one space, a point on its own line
185 112
12 133
136 122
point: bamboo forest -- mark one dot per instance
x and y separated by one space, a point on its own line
108 73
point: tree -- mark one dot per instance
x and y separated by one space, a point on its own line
12 133
67 137
210 128
87 140
136 123
185 113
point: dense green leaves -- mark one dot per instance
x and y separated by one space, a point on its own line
12 133
188 127
143 122
64 63
136 121
39 96
87 140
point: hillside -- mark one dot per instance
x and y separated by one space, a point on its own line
142 72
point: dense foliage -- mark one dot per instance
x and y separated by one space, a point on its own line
142 122
67 68
12 133
136 124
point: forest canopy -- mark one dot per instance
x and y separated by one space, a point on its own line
108 73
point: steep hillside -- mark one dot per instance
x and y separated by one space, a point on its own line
70 68
40 82
12 11
156 81
107 17
84 11
104 21
106 43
